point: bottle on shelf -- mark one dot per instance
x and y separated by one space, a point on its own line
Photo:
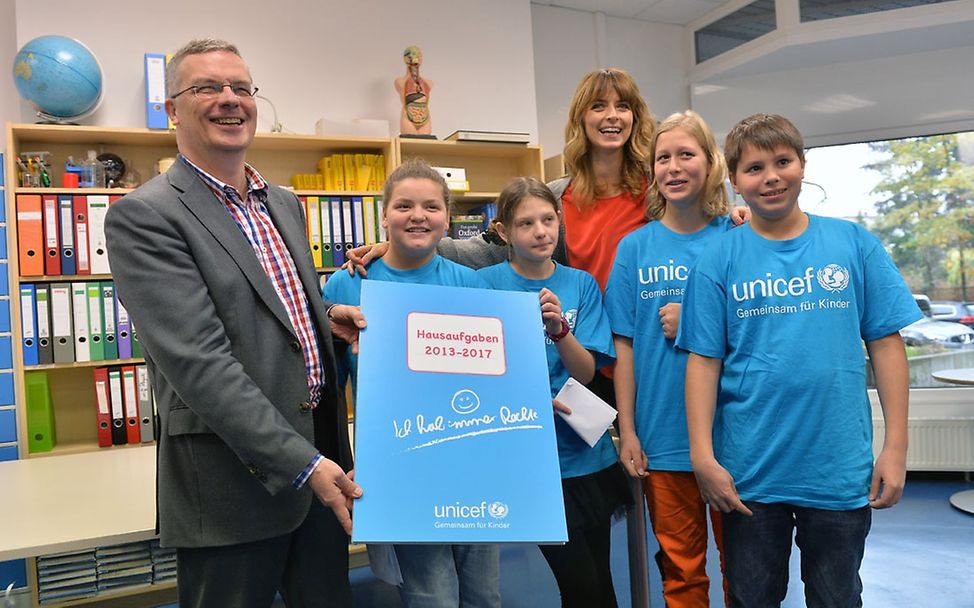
93 172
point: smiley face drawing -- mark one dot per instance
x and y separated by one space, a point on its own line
465 401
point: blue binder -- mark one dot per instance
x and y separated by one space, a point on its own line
66 211
155 91
28 313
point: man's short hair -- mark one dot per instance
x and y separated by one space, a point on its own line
765 132
194 47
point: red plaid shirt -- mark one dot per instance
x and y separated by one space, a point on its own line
255 223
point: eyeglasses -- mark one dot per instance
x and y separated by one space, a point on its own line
209 91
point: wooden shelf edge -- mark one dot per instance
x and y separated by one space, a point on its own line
136 595
63 278
55 190
83 364
303 192
80 447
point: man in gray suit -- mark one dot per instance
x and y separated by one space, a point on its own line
214 268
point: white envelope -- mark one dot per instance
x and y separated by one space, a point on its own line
590 415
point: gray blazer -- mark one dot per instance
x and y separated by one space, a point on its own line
226 366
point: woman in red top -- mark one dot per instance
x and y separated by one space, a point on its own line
606 153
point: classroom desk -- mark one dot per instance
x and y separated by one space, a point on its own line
77 501
963 500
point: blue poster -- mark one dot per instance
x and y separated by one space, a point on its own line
454 429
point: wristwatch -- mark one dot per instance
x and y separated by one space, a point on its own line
564 330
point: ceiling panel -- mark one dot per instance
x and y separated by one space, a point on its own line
676 12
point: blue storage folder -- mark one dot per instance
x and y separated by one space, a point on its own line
65 205
155 91
4 279
28 322
8 452
14 571
8 426
6 388
6 353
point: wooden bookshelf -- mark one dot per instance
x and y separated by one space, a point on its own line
488 166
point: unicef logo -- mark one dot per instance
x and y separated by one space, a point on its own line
497 510
833 278
465 401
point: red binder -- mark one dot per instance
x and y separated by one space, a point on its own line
30 235
103 405
81 254
52 239
131 395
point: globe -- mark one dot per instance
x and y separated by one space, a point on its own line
59 77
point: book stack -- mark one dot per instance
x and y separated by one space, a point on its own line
466 226
123 565
490 136
488 210
163 562
345 173
66 576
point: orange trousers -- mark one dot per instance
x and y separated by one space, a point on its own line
679 519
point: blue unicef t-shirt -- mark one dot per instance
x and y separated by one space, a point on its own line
793 422
581 303
344 289
650 270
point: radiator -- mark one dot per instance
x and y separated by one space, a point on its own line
941 429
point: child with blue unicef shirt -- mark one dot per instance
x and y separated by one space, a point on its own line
774 316
688 199
415 217
578 342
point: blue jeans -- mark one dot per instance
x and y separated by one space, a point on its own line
448 576
756 552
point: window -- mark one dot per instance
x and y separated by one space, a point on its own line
817 10
917 195
743 25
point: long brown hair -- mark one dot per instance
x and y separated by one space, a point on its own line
636 159
714 195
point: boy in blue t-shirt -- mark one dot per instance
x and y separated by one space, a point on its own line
774 317
415 218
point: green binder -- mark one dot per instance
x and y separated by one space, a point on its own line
136 345
96 322
41 434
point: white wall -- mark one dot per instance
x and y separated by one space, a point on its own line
570 43
8 49
312 58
